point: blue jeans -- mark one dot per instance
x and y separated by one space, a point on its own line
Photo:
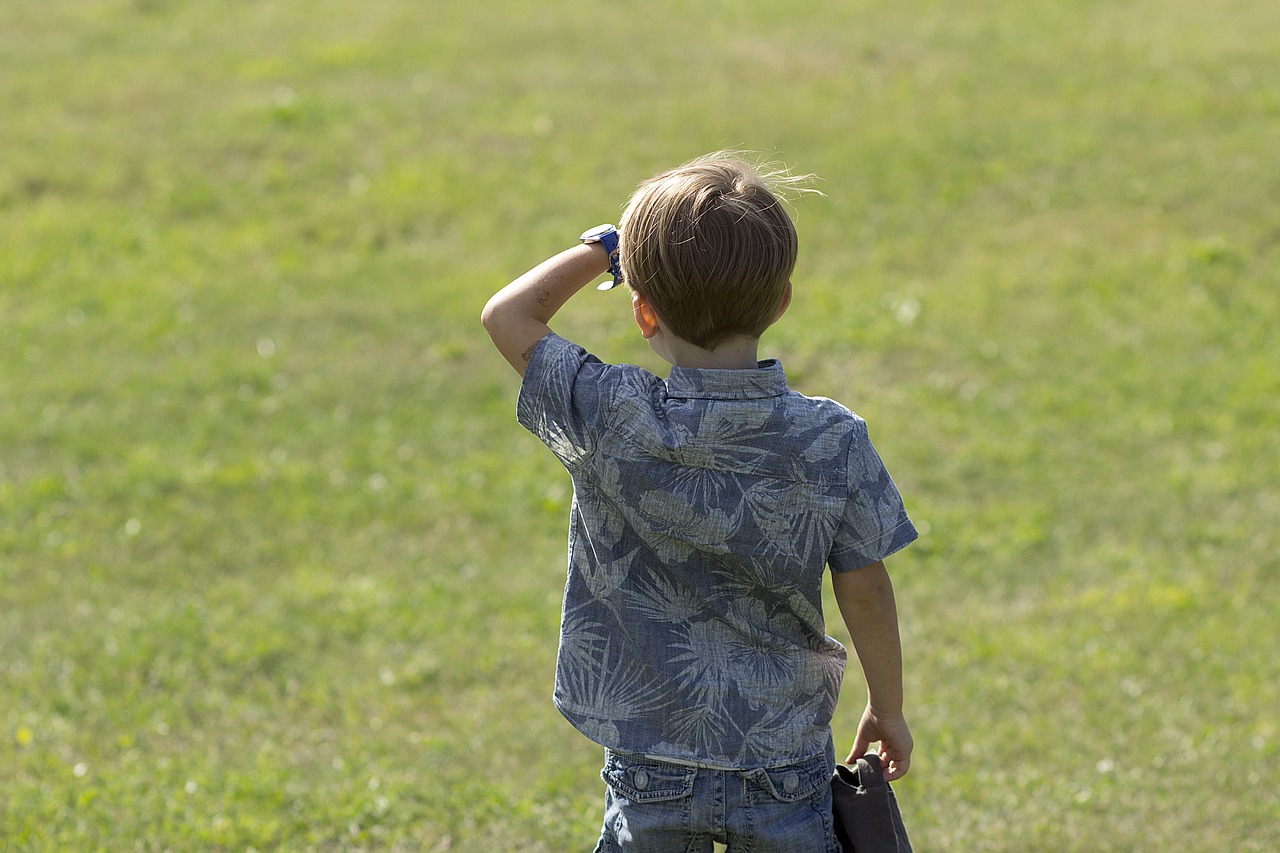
653 806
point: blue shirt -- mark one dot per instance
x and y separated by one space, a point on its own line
705 510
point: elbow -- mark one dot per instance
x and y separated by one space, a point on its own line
489 315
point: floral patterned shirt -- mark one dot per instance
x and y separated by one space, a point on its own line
705 509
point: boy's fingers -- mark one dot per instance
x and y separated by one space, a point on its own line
896 758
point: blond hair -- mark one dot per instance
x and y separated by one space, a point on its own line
712 247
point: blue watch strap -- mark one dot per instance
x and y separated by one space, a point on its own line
606 236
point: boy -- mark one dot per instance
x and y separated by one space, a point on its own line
706 508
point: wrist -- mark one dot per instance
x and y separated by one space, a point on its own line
591 260
599 253
885 712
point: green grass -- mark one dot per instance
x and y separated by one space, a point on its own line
278 570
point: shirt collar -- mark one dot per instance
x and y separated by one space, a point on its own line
767 380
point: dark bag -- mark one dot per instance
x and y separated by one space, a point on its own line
866 812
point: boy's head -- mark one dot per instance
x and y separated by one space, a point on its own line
711 247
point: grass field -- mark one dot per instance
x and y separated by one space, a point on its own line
278 569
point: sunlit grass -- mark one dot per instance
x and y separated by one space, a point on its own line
278 570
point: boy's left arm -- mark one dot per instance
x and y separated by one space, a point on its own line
516 317
866 601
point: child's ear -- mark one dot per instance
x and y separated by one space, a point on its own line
646 317
786 303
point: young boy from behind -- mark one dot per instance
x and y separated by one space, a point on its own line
706 508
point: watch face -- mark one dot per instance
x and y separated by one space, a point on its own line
593 235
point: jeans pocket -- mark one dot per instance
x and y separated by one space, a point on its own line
790 808
641 780
795 782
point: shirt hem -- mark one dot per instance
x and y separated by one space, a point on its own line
685 760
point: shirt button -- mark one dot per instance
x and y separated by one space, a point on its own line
790 783
642 779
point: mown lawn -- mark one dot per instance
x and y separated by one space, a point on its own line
278 570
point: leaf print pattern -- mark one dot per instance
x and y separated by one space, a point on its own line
706 509
686 526
794 518
662 599
605 577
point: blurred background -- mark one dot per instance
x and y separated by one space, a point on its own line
279 570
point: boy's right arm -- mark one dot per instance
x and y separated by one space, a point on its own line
866 601
516 317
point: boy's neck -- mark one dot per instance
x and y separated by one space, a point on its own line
736 353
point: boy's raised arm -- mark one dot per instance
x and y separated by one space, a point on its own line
866 601
516 317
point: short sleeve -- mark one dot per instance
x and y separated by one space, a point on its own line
563 398
875 523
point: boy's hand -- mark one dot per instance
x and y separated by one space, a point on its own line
895 741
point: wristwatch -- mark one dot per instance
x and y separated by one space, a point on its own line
607 236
